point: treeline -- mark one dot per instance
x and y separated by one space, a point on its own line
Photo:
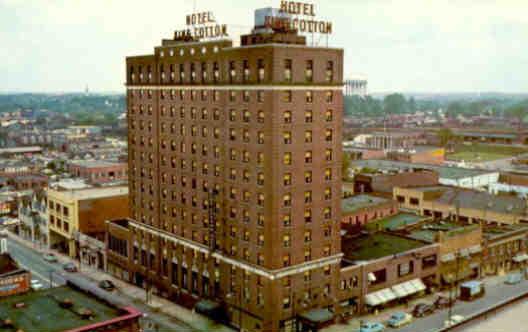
397 103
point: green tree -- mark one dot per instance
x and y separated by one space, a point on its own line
445 136
395 104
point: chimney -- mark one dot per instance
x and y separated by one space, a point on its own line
3 242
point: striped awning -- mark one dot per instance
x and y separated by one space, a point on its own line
380 297
475 249
447 257
520 258
408 288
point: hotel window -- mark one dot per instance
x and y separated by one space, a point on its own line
260 199
204 95
328 154
260 179
232 174
260 240
308 196
261 70
328 135
308 157
286 199
193 94
286 240
260 158
329 96
246 116
287 179
329 115
308 136
286 159
287 117
232 134
326 270
260 96
245 216
232 115
287 96
232 154
204 72
307 236
193 73
327 213
307 255
308 74
287 137
307 276
328 194
182 112
232 71
216 114
204 113
286 220
286 260
216 72
288 70
260 137
286 302
309 97
194 129
172 77
245 175
245 96
260 259
216 152
245 135
245 65
182 94
329 71
308 216
232 96
308 116
308 176
405 268
245 156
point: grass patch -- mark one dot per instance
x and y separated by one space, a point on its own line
484 152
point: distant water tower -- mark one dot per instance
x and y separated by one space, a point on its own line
356 86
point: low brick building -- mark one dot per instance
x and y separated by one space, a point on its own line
419 155
360 209
505 248
98 172
380 269
385 182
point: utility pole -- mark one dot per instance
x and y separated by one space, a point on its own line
455 288
51 278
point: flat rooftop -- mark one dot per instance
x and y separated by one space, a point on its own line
470 199
429 231
43 311
496 232
94 163
365 247
358 202
394 222
90 193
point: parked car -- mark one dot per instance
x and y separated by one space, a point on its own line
69 267
399 319
455 319
423 309
371 327
442 302
107 285
513 278
36 285
49 257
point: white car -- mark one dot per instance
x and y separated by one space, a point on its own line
399 319
455 319
36 285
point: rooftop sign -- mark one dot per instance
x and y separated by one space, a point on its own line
201 25
298 16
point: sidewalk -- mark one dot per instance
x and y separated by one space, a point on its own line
383 316
137 295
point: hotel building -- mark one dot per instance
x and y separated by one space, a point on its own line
235 177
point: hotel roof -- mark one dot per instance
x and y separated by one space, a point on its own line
396 221
90 193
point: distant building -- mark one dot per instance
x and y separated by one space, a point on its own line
356 87
392 140
32 213
66 308
505 248
98 171
418 154
368 181
84 211
462 205
361 209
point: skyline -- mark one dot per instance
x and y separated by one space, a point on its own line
399 47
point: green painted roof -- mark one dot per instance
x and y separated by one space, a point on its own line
373 246
43 312
395 221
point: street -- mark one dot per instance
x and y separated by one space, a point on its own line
33 261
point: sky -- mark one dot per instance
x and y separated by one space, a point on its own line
399 45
